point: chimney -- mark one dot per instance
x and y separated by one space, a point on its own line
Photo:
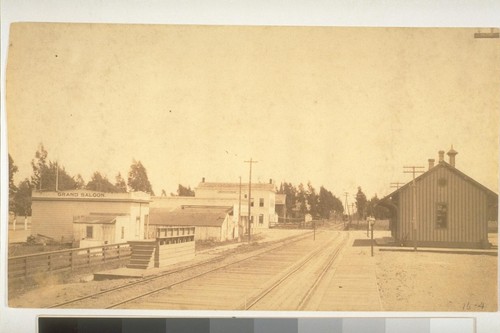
452 153
431 163
203 180
270 180
441 156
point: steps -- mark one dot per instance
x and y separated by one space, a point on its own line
142 256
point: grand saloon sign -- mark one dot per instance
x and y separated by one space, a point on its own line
81 194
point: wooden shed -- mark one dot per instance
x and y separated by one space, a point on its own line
452 209
212 223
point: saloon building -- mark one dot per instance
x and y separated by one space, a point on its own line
452 209
90 218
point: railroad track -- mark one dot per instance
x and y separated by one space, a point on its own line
240 285
144 287
289 298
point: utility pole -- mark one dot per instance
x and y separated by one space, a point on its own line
57 177
239 215
250 198
414 170
346 206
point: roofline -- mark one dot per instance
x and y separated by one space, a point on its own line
444 164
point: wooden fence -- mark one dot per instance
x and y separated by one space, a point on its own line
22 267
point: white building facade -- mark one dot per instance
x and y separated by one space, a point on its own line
94 218
262 201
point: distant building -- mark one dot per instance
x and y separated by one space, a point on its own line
93 218
452 209
211 223
262 202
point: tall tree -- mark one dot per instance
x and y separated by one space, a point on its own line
376 210
58 179
22 198
80 183
12 187
360 203
40 167
138 178
101 183
302 200
312 200
291 197
326 203
48 175
183 191
120 183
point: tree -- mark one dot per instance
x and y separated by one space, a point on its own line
291 197
80 183
12 187
120 183
312 200
360 203
22 198
302 200
48 175
185 191
39 165
376 210
325 203
57 179
138 178
101 183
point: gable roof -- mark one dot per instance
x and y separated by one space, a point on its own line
441 165
202 216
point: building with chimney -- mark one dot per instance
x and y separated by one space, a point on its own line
215 195
452 209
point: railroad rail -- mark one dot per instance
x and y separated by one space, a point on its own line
332 251
190 293
176 275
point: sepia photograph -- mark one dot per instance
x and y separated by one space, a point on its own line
252 168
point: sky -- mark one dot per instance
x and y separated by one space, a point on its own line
337 107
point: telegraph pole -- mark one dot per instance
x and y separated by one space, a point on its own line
414 170
250 198
346 206
239 215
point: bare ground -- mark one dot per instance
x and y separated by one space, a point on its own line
408 281
437 281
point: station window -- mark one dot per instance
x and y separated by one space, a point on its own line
441 215
90 231
261 219
261 202
251 202
123 232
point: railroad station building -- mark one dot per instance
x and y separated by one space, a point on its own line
88 218
452 209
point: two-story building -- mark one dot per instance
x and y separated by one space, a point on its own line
262 201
